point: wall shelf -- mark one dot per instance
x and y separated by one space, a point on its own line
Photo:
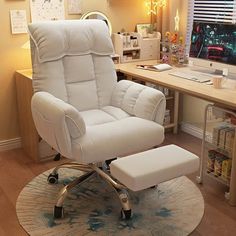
135 47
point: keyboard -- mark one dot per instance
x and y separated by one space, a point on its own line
193 76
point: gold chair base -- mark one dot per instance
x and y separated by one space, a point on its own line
90 170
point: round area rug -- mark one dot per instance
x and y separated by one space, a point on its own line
174 208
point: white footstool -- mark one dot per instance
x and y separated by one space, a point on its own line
149 168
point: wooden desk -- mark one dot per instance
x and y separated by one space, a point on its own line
225 97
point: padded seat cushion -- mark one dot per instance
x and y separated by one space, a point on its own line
96 117
104 115
146 169
119 138
115 112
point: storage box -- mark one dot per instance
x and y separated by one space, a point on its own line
167 117
229 140
226 169
211 160
216 134
222 136
218 164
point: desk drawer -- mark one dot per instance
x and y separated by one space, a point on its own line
149 54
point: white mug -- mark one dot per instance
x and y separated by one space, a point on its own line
218 81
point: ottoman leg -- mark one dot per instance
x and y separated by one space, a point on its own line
126 212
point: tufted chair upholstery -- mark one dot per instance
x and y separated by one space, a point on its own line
78 106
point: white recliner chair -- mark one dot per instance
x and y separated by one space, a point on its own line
81 110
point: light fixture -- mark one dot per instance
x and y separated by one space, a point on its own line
98 15
177 21
152 5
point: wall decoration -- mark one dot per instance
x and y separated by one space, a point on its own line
177 19
74 6
42 10
152 6
18 21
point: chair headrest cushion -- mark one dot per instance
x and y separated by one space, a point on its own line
56 39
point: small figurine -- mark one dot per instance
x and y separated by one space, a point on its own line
181 40
165 46
174 48
181 51
167 37
181 59
165 59
174 59
174 37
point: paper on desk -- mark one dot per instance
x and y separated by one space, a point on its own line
162 67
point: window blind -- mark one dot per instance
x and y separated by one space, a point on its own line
189 26
216 11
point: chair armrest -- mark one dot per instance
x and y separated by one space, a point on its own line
56 121
139 100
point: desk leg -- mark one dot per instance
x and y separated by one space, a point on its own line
129 77
232 189
176 112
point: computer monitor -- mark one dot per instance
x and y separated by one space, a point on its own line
213 46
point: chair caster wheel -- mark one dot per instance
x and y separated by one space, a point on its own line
227 195
58 212
154 186
126 214
199 179
53 178
57 157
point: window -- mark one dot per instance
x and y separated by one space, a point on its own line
212 11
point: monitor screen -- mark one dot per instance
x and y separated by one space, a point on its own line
215 42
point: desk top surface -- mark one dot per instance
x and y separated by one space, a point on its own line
225 96
27 73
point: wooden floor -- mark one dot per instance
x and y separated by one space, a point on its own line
16 170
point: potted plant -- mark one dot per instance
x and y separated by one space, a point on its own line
151 30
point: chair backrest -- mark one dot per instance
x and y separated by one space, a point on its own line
72 60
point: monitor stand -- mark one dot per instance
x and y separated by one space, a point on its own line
212 72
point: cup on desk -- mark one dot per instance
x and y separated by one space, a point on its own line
218 81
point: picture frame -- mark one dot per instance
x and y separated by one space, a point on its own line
143 29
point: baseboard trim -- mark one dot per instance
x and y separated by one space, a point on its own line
185 127
195 131
10 144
